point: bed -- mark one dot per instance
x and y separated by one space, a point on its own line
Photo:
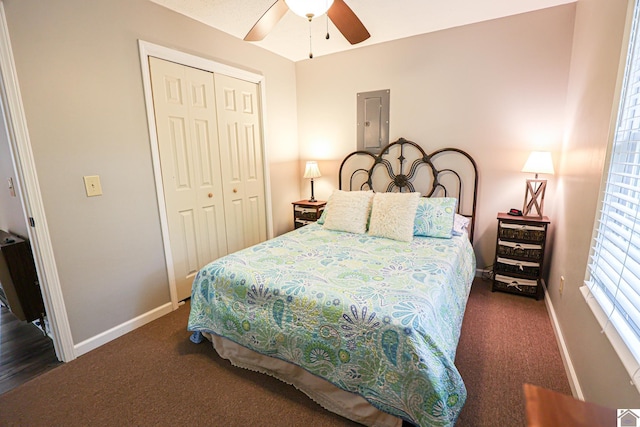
360 310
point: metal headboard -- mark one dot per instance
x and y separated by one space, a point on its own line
404 166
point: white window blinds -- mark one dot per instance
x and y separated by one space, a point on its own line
613 276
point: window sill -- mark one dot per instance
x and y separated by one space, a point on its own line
630 363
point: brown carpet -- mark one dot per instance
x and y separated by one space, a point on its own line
507 340
156 376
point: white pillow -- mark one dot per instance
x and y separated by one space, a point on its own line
460 225
392 215
348 211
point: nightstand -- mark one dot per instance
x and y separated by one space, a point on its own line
519 260
306 212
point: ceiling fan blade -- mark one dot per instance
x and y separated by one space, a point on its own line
347 22
267 21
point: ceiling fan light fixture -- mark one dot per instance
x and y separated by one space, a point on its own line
309 8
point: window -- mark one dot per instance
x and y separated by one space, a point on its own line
613 276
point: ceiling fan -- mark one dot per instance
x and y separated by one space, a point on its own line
340 14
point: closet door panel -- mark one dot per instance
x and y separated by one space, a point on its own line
243 174
186 125
236 224
189 236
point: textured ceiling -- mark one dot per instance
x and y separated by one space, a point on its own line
385 19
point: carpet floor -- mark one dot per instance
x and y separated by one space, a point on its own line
156 376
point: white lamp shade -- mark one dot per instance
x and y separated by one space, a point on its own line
311 170
305 8
539 162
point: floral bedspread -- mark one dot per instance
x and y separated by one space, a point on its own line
376 317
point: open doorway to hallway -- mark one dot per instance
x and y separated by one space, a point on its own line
25 349
25 352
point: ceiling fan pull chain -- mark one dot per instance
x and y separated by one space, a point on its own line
326 16
310 47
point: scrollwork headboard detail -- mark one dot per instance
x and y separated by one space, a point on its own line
404 166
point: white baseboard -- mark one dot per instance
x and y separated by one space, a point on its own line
564 352
117 331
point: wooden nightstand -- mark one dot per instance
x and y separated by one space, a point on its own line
306 212
548 408
519 260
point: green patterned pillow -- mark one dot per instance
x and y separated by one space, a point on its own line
434 217
323 215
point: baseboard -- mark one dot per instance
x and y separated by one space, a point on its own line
117 331
564 352
482 272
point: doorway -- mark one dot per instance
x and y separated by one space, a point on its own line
27 351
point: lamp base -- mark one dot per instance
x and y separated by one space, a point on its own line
312 199
534 197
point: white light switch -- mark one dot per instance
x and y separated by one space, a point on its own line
92 185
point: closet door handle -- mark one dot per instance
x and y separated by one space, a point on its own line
210 195
235 190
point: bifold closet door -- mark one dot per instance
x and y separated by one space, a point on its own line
186 124
241 155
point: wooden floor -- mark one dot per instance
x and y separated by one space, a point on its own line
25 352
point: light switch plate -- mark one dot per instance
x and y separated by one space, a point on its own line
92 185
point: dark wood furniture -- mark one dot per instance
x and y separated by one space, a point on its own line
547 408
306 212
19 286
520 247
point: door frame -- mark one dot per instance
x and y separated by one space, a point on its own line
148 49
31 198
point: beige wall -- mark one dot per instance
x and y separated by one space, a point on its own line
79 71
591 101
495 89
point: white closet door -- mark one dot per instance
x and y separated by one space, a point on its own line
239 124
186 125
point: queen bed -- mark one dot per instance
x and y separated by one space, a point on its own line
362 310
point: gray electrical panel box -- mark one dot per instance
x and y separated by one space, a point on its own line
373 120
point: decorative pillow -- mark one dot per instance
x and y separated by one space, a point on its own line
460 225
392 215
348 211
434 217
323 215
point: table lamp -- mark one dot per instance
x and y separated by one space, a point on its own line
311 171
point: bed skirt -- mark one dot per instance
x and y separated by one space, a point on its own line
330 397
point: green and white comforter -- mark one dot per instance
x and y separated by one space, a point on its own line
373 316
